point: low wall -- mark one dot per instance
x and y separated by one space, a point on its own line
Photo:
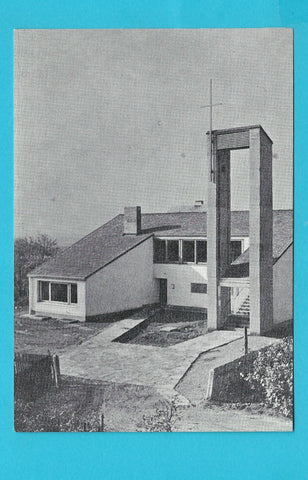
133 332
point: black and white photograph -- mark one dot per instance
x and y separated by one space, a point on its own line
153 230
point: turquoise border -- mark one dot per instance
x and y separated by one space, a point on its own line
195 455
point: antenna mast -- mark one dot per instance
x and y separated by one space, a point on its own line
211 105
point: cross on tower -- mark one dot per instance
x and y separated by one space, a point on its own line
210 106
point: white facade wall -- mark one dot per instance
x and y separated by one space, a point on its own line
125 284
283 287
57 309
179 279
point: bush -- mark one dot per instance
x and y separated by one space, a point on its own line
162 421
272 375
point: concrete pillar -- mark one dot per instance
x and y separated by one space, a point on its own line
218 232
260 232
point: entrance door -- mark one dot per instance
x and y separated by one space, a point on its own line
163 291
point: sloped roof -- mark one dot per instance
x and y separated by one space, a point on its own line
107 243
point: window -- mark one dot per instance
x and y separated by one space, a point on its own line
44 290
188 251
179 251
201 251
235 249
159 250
57 292
172 251
198 288
74 293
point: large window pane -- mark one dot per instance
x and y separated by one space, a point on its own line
44 289
188 251
201 251
235 249
159 250
59 292
173 251
74 293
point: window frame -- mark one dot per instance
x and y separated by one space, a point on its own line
180 241
58 302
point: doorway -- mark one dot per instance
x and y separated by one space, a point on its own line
163 291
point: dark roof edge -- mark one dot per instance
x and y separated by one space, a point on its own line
284 251
84 277
118 256
90 233
73 244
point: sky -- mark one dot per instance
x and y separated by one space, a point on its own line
110 118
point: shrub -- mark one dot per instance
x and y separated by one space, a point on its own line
272 374
163 419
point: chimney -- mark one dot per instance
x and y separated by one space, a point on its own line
132 220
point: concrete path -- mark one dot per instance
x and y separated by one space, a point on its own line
101 359
216 420
193 384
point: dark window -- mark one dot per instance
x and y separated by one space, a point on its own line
235 249
59 292
188 251
198 288
74 293
201 255
44 289
173 251
159 250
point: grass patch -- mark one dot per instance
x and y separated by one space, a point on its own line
37 336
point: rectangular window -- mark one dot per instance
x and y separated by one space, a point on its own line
159 250
44 291
198 288
201 251
188 251
172 251
59 292
235 249
74 293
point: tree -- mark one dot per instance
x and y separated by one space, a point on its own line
29 253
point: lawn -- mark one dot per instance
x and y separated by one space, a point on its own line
78 404
41 336
171 326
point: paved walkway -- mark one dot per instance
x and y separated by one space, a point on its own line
214 419
101 359
193 384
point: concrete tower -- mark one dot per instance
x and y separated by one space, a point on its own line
260 225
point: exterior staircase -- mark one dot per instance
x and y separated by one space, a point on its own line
244 308
241 317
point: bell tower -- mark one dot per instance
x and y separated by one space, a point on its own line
219 145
